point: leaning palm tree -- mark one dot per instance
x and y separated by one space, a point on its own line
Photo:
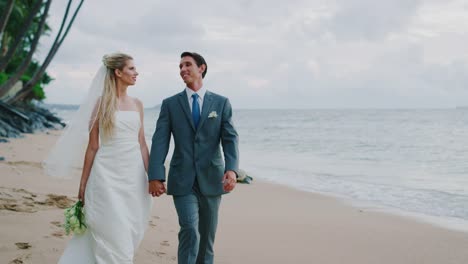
27 61
28 87
21 34
5 15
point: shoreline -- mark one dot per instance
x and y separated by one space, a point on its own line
259 223
449 223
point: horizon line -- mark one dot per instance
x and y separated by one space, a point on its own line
308 108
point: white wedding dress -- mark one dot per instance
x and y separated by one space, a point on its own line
117 202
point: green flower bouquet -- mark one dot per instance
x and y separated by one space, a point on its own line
75 219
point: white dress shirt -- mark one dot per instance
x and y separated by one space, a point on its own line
201 96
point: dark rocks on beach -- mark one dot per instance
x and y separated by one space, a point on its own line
2 158
4 140
26 118
6 130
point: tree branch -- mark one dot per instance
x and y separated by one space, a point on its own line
20 36
5 16
27 89
6 87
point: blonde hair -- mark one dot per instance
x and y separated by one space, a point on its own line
109 99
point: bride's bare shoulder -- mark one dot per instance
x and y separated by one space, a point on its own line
138 103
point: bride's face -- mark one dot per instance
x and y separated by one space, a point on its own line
128 74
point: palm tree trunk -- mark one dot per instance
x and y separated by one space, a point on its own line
27 89
20 36
3 22
6 87
5 16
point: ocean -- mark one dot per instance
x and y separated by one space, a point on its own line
410 162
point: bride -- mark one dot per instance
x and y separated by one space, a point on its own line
114 185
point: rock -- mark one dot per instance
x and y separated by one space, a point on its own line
26 118
2 158
6 130
243 177
3 140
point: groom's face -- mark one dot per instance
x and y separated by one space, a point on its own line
189 71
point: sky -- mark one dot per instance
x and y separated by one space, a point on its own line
274 54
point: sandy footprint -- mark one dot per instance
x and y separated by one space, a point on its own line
60 201
157 253
57 223
17 261
22 245
25 163
58 234
21 259
17 208
21 200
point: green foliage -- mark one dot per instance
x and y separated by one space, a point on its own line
18 17
15 62
37 91
3 77
46 79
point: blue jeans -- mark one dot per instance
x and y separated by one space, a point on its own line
198 219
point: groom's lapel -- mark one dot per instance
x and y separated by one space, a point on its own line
207 102
186 108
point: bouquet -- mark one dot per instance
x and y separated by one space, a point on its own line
75 219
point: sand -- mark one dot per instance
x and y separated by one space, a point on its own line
259 223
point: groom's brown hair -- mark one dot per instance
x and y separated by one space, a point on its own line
198 59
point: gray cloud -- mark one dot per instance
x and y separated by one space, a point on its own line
318 53
370 19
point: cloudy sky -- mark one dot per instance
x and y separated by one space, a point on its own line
275 54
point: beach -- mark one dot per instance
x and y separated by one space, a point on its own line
258 223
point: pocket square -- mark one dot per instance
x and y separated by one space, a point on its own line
213 114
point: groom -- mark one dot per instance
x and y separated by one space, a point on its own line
200 122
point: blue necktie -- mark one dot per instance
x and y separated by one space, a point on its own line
195 110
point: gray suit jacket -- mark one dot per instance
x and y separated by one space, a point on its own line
197 151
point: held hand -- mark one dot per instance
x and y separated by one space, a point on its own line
229 181
156 188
